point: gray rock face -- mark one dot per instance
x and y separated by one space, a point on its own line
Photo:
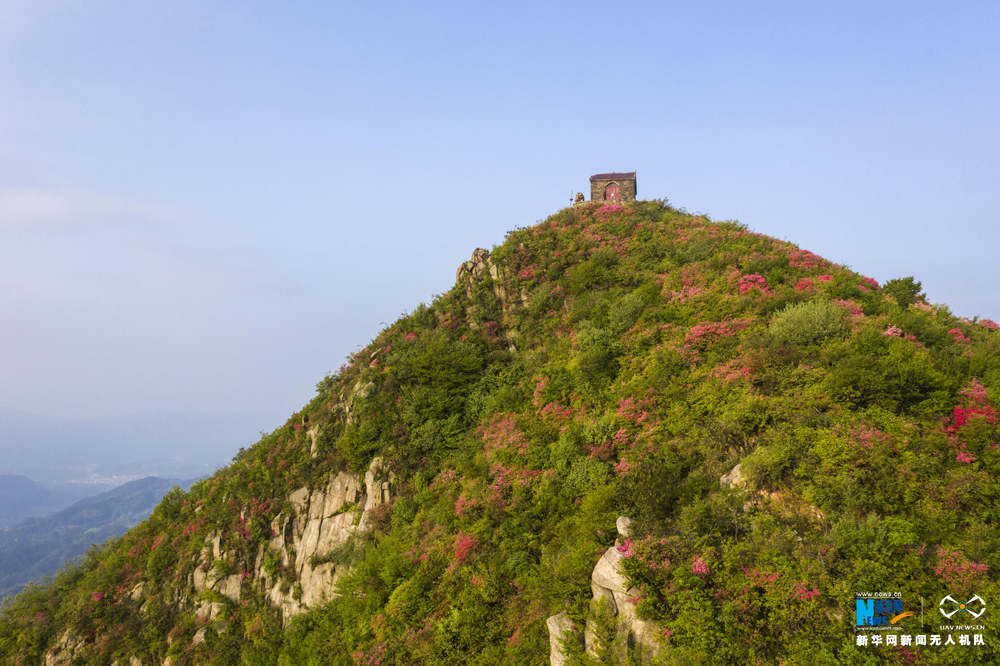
607 573
319 521
319 525
230 587
63 653
733 479
478 268
209 611
612 597
562 632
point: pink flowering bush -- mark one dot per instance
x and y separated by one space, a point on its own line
806 260
464 545
705 335
893 332
804 284
700 568
502 433
752 282
959 336
801 592
959 573
871 282
975 405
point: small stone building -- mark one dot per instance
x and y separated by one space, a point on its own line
613 187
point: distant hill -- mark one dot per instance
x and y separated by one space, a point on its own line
20 497
37 547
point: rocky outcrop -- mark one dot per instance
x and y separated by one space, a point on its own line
612 604
478 268
64 652
782 504
733 479
321 521
563 636
318 521
359 392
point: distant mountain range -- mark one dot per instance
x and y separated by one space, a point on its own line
21 498
37 547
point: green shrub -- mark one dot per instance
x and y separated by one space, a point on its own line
586 474
625 312
808 323
597 353
905 291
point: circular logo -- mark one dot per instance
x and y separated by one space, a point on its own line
975 606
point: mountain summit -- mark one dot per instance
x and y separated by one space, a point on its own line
626 433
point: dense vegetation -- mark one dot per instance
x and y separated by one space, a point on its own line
638 354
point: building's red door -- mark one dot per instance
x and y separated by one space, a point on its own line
611 193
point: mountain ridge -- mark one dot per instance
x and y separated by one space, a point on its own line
781 432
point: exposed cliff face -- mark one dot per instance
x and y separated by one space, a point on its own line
320 521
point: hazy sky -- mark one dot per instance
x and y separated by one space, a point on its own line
205 206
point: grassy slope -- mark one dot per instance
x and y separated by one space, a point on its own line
654 352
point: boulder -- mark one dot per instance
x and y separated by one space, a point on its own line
734 479
299 500
614 595
230 587
209 610
562 634
622 524
608 574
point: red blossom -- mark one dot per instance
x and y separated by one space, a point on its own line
804 284
961 574
871 282
958 336
751 282
801 592
464 545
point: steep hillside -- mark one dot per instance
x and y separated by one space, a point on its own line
37 547
694 441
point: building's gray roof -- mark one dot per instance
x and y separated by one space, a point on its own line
614 176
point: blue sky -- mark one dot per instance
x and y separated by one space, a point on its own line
205 206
